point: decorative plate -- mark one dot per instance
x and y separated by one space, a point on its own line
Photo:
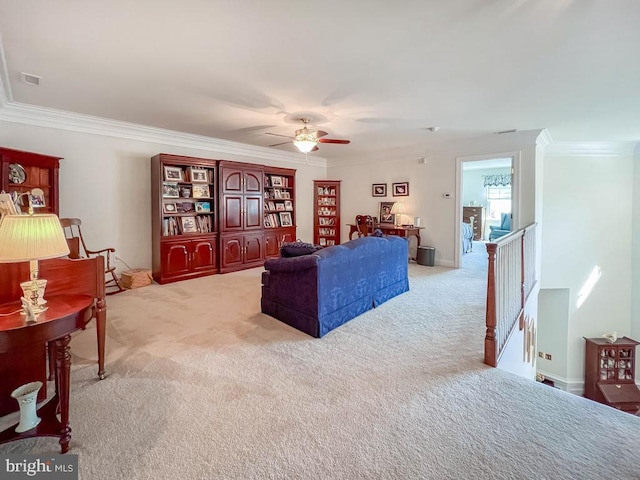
17 173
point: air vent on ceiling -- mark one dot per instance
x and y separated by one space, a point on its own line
30 79
506 131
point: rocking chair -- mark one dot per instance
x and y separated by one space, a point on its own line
78 249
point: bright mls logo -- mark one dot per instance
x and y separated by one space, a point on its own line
58 467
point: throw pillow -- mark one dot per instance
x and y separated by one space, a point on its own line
297 249
377 233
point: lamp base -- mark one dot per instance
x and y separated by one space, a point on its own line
33 291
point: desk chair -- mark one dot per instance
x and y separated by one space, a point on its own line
364 224
78 249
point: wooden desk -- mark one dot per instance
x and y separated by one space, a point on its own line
21 343
388 229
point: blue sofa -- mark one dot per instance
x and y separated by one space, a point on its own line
318 292
503 229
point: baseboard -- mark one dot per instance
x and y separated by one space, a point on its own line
574 386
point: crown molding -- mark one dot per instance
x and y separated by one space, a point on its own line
591 149
544 139
5 90
50 118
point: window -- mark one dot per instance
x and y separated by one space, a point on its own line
499 198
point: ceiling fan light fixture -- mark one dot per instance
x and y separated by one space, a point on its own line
305 146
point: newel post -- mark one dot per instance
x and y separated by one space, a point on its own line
490 348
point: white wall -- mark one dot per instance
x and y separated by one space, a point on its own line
428 182
587 209
105 181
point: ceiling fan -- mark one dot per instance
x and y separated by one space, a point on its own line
307 140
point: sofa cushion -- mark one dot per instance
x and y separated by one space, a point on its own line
297 249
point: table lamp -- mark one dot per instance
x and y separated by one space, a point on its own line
31 238
398 210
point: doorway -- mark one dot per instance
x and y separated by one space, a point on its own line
486 193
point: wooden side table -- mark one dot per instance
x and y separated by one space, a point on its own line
22 357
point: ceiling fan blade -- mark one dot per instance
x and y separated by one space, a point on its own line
278 144
278 135
333 140
321 133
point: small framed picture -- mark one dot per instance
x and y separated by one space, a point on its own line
37 198
184 207
385 213
401 189
276 181
277 193
169 208
203 207
189 225
280 207
288 205
267 222
286 194
201 191
170 190
285 219
173 174
379 190
198 175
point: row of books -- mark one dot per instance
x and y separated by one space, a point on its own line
181 225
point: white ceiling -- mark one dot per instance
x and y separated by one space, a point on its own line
374 71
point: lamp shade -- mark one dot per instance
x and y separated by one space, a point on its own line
31 237
305 146
398 208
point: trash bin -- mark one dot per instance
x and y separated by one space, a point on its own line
427 256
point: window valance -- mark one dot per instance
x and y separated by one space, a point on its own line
497 180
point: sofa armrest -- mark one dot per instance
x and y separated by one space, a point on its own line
291 264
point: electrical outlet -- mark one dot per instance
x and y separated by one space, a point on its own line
547 356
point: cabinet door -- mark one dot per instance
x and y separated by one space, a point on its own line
271 244
204 255
175 258
253 182
253 250
231 180
253 214
232 213
231 251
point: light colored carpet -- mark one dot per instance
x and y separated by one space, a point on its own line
201 385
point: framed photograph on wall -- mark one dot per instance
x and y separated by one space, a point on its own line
385 213
401 189
379 190
173 174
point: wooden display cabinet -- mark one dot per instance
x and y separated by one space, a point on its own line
279 209
326 214
610 373
184 217
24 171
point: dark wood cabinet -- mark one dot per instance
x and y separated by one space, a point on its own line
24 171
184 217
478 214
213 216
326 215
610 373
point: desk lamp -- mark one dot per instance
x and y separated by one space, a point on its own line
31 238
398 210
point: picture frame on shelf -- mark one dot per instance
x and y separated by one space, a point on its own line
170 190
288 205
203 207
277 193
201 191
285 219
379 190
385 213
189 225
267 222
280 207
198 175
185 207
401 189
169 207
276 181
285 194
173 174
